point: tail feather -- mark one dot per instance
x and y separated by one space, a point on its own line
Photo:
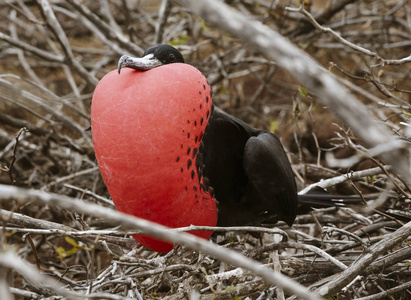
318 197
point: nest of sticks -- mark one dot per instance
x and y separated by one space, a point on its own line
61 237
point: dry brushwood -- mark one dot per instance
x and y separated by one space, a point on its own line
330 78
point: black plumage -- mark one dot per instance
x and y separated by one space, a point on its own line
249 172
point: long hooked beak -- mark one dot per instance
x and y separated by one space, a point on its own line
143 64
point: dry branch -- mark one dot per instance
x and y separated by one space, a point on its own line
306 70
365 259
53 52
156 230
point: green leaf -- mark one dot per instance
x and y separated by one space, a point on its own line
370 179
180 40
65 253
273 126
75 244
302 92
61 252
406 114
71 241
203 25
223 90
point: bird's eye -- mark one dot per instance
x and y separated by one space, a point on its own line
171 58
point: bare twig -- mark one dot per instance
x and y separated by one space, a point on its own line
9 169
364 260
339 38
57 154
162 19
106 29
153 229
68 177
342 178
305 69
62 38
28 48
388 293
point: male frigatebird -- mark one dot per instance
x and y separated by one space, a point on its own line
168 155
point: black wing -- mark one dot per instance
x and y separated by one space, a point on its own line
223 149
270 173
249 172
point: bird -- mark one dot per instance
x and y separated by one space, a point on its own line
168 154
246 168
